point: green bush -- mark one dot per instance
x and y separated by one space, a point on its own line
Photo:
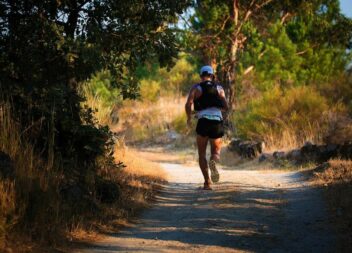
179 79
296 109
155 81
180 124
100 86
149 90
100 95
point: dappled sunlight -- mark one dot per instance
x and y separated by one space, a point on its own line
247 211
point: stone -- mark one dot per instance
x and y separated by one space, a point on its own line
262 158
172 135
310 152
294 155
246 149
327 152
279 155
234 145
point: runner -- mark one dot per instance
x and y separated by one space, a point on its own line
209 101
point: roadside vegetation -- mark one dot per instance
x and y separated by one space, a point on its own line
336 181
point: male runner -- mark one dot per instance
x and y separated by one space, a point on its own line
209 101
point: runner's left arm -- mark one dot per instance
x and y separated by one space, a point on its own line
224 101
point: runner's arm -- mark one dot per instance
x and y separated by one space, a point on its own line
224 101
189 103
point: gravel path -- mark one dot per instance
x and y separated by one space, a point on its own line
248 211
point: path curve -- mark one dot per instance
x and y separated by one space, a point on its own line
248 211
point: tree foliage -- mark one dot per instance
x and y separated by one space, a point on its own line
240 36
267 47
48 49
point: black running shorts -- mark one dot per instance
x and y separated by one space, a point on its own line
213 129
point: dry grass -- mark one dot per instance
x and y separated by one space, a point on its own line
337 182
338 172
339 130
101 111
7 206
31 210
139 167
28 199
138 183
288 139
141 121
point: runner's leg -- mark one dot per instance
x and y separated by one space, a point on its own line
203 164
215 145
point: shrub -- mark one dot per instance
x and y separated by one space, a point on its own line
102 97
47 191
172 82
180 123
180 77
338 90
298 110
149 90
29 199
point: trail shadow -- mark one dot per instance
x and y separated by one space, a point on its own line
239 216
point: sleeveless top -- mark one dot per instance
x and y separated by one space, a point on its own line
212 112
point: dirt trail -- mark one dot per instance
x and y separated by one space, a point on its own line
248 211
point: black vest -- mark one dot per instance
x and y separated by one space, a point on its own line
209 98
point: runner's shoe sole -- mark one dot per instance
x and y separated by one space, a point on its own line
214 172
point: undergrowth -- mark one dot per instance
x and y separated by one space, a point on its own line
41 206
336 181
30 200
286 119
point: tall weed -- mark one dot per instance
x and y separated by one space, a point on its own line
29 199
143 120
285 118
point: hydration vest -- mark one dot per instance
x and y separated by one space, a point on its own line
209 98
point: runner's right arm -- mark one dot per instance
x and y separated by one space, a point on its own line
189 103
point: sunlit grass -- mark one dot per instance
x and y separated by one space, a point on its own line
140 121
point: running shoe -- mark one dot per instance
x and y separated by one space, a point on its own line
214 172
207 187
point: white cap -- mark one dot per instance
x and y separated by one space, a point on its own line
206 70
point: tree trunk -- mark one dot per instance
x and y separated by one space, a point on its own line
233 48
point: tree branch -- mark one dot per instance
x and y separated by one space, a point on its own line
263 4
285 17
186 22
222 27
248 70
